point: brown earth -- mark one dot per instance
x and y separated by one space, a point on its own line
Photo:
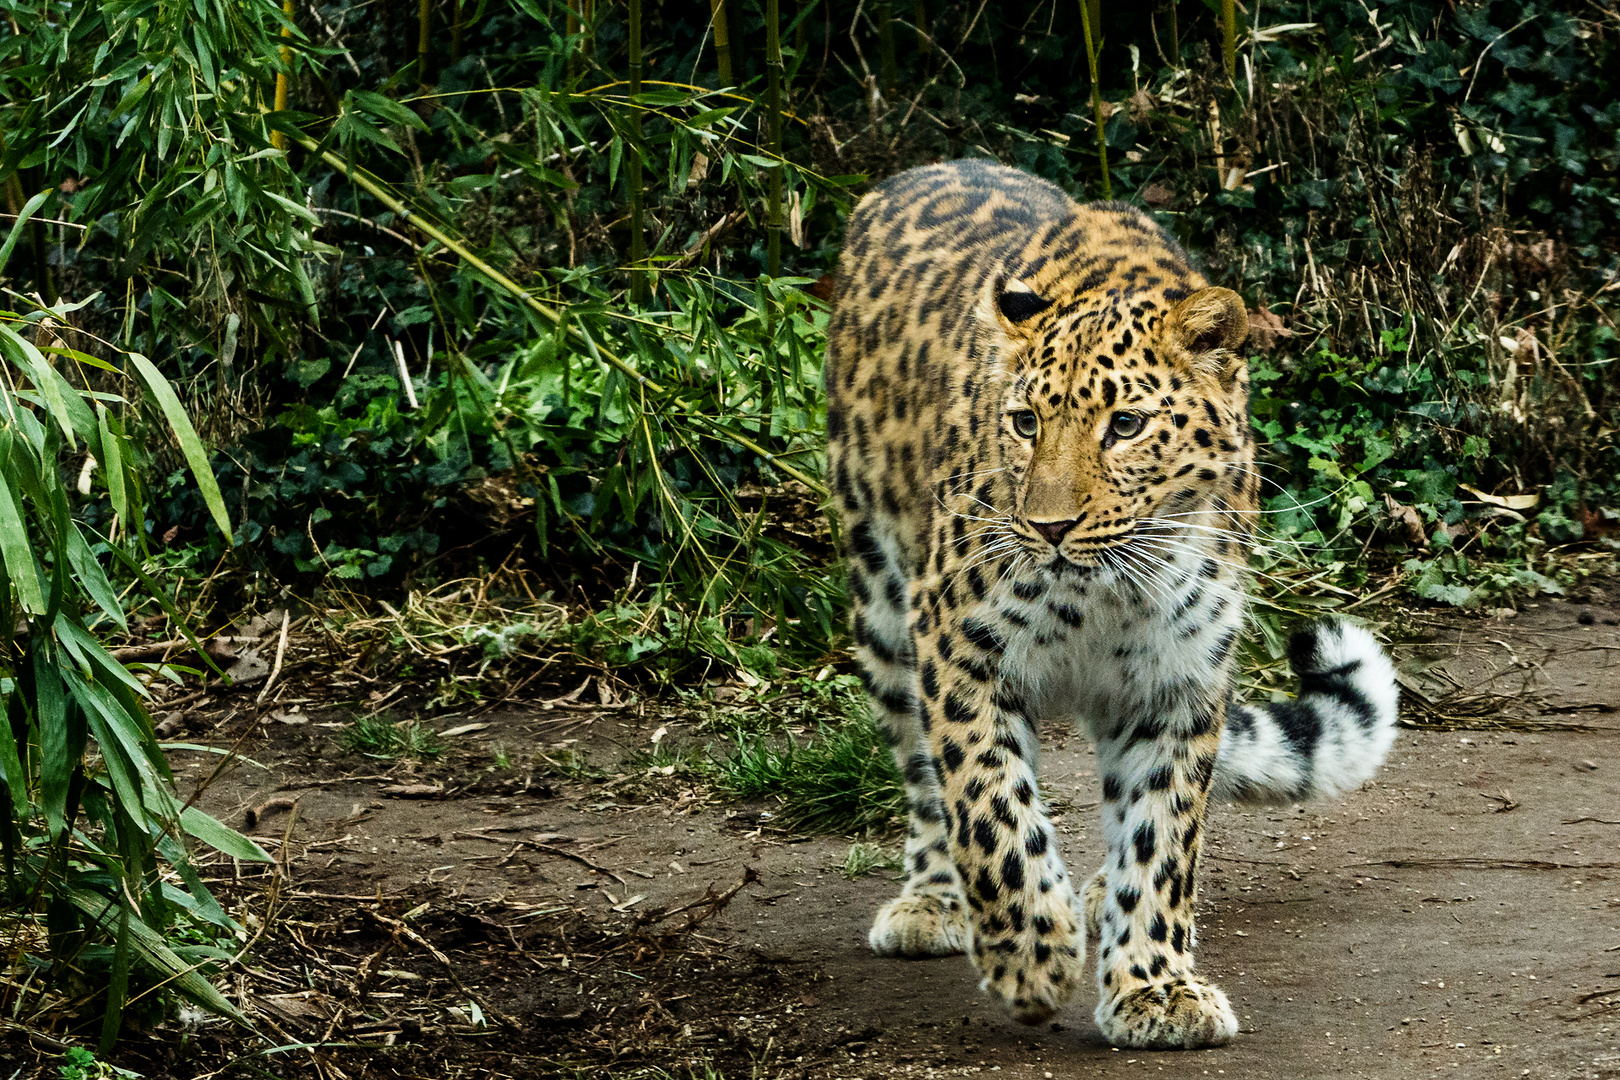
1459 916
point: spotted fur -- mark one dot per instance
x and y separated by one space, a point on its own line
1040 447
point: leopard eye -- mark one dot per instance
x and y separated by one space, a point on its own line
1126 425
1026 424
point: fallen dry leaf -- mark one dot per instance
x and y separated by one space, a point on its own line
1510 502
1142 105
1266 329
1158 195
305 1005
1406 518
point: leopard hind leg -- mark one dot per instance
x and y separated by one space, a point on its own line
929 917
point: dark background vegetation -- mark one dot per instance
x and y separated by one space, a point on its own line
1423 197
404 306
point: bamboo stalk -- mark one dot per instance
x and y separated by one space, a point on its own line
283 84
424 30
1090 16
771 373
722 40
385 11
1229 36
571 28
638 242
1175 35
548 314
455 31
773 109
773 106
919 16
885 16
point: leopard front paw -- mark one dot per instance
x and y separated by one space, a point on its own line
920 925
1034 965
1183 1014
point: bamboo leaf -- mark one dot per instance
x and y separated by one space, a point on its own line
62 737
16 230
306 290
11 770
90 653
89 574
118 983
83 358
190 445
159 956
112 464
121 772
298 209
21 566
195 897
20 351
217 835
387 109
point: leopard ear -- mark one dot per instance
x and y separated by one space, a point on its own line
1017 302
1211 324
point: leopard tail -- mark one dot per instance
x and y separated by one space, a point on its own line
1328 740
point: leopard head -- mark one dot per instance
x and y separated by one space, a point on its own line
1123 419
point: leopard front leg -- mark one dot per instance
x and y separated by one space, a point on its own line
1156 773
929 917
1027 941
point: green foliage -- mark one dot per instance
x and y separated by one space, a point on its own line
1450 578
81 1064
663 636
1422 204
471 241
150 111
92 834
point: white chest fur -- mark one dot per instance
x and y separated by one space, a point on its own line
1116 642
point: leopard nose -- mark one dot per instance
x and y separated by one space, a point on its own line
1054 530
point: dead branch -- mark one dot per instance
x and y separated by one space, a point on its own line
711 902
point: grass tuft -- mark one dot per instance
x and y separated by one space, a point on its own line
865 858
842 781
379 737
570 764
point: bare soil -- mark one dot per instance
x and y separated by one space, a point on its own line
1459 916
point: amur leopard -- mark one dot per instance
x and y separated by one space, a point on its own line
1039 443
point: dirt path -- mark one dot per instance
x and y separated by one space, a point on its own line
1460 916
